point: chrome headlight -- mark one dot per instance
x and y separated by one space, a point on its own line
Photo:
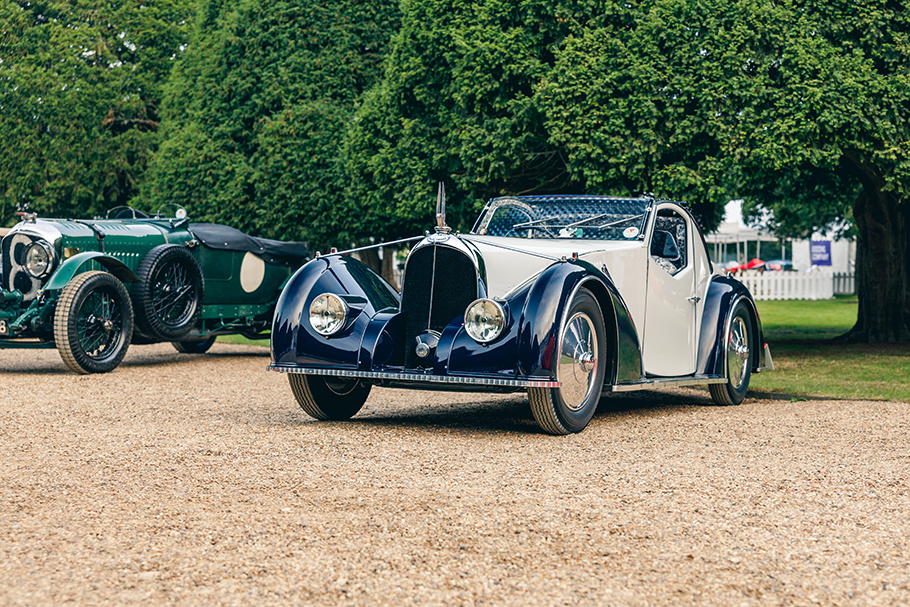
328 313
484 320
39 259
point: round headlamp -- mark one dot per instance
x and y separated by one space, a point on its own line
39 259
328 313
484 320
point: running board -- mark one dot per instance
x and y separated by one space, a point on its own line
668 382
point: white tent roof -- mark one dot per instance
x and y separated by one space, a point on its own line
734 229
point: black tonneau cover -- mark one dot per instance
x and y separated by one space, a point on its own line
226 238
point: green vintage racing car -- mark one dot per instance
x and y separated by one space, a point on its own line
91 288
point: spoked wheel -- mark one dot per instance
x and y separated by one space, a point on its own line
93 323
580 363
329 398
168 295
739 345
194 347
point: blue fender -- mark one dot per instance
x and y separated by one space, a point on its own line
543 311
295 342
724 292
77 263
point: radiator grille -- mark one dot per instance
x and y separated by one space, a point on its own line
12 256
439 283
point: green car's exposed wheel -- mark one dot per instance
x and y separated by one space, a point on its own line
579 362
738 344
93 323
194 347
168 296
329 398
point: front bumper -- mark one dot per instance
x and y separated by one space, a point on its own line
419 380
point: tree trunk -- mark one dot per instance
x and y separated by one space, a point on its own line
882 263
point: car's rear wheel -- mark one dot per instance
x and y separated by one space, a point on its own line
93 323
329 398
168 296
738 344
194 347
580 363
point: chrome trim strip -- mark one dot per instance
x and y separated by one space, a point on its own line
670 382
419 377
371 246
508 248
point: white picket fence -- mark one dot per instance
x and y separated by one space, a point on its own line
789 285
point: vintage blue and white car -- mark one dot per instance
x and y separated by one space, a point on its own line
567 297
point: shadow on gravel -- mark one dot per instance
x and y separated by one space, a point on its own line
134 358
39 369
496 415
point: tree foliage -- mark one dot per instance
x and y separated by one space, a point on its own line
457 104
800 108
817 108
256 112
80 87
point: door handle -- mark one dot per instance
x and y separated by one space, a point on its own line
694 299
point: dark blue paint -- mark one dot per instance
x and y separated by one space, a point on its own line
293 339
372 338
546 305
723 293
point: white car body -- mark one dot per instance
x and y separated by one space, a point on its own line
668 324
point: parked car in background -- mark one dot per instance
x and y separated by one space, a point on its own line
779 265
92 287
566 297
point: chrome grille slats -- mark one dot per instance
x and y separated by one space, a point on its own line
439 283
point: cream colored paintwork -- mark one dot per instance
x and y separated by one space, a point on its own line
669 338
252 272
668 347
626 263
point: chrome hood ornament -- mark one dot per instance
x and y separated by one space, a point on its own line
441 226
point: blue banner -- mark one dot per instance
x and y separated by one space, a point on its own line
820 252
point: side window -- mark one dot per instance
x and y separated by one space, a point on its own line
669 243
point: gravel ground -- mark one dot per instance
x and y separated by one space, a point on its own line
196 479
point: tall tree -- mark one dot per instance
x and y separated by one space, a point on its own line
818 101
256 112
80 86
480 94
801 108
457 104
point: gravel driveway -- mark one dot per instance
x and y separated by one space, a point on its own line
196 479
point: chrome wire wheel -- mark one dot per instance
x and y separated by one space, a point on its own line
738 365
576 367
579 365
737 353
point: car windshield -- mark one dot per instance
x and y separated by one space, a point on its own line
582 217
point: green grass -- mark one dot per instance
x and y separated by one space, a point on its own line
243 341
800 320
808 363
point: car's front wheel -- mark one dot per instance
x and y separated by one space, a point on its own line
738 343
329 398
93 323
580 363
